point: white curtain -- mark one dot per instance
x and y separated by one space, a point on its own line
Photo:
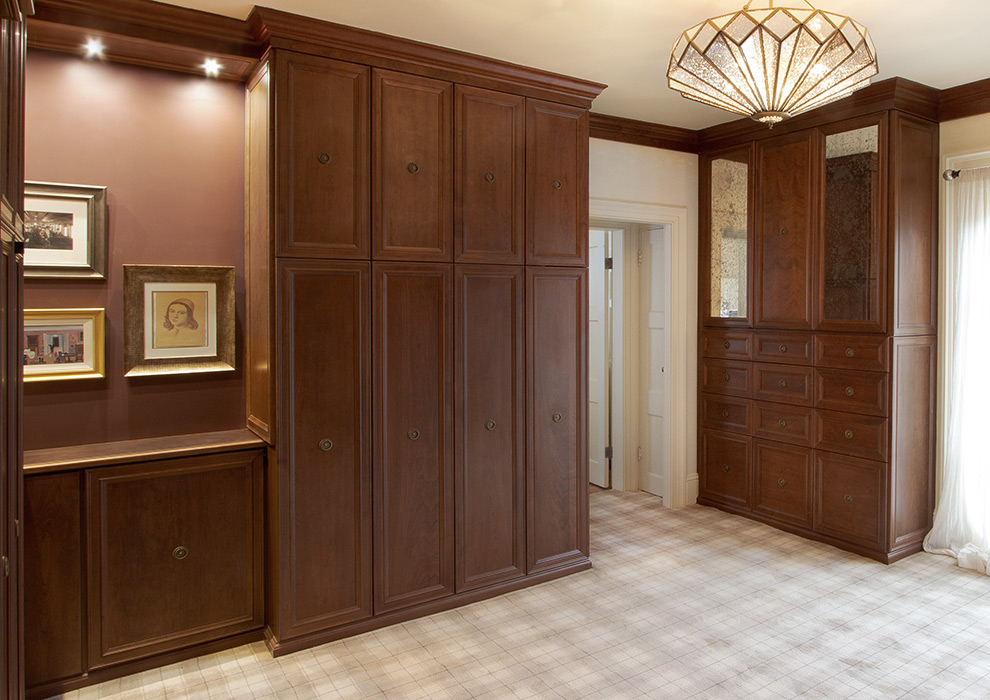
962 519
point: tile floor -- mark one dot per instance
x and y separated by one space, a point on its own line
692 603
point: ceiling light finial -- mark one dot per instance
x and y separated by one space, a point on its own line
771 63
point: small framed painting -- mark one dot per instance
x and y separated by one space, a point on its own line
65 230
178 319
63 344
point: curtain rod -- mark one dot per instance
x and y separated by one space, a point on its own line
950 174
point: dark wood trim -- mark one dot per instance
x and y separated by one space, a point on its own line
56 459
623 130
966 100
295 32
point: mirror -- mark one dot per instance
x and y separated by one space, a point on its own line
729 234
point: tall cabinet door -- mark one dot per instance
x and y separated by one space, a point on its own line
787 214
556 184
557 458
322 479
324 186
413 175
413 465
490 176
489 426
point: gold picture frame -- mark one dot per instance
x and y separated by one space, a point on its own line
178 319
65 230
63 344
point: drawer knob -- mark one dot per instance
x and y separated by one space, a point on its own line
850 391
783 232
782 423
849 435
848 498
849 352
489 177
725 413
726 344
725 377
782 481
413 168
413 434
180 552
725 467
323 158
782 383
782 347
490 425
326 445
556 417
556 184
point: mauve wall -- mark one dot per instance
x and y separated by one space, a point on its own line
170 149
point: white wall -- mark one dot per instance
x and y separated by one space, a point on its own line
625 182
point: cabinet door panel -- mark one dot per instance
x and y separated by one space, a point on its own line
323 157
783 482
849 498
490 478
557 469
725 467
174 554
414 538
556 184
324 488
490 176
413 144
784 251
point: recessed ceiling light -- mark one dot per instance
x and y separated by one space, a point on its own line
94 48
212 67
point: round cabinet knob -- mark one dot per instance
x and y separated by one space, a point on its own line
782 384
783 232
725 377
725 413
413 168
847 498
556 184
782 423
180 552
413 434
326 445
324 158
489 177
850 391
849 435
725 467
556 417
782 481
726 344
849 352
782 347
490 425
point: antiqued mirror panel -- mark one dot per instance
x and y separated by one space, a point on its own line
729 235
851 252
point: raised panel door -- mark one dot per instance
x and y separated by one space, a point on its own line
490 459
323 157
557 394
322 574
725 468
786 212
413 174
413 463
556 184
490 176
783 482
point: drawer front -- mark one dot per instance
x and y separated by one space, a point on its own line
793 424
785 348
862 352
725 467
726 377
784 383
852 434
726 413
729 345
783 481
851 392
849 498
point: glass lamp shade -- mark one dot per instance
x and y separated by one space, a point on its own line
772 63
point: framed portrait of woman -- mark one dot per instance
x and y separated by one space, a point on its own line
178 319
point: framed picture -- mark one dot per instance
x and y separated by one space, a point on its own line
63 344
65 230
178 319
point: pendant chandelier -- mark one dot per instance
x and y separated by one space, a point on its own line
774 62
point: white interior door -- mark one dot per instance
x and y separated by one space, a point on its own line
597 360
654 300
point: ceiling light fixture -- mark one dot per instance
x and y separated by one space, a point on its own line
212 67
774 62
94 48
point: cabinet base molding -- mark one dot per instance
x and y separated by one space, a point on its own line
289 646
127 668
875 554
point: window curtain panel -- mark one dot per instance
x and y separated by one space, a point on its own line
962 518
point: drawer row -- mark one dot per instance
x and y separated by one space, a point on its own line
850 391
833 431
830 494
856 352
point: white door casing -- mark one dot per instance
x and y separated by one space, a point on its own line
597 360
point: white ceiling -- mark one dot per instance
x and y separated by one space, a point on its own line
626 43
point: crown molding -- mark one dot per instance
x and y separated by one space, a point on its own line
673 138
966 100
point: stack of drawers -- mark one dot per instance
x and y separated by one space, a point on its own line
795 430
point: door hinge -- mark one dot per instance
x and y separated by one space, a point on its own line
6 566
639 454
17 527
639 258
608 263
608 452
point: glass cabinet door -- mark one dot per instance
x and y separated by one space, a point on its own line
729 236
852 255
